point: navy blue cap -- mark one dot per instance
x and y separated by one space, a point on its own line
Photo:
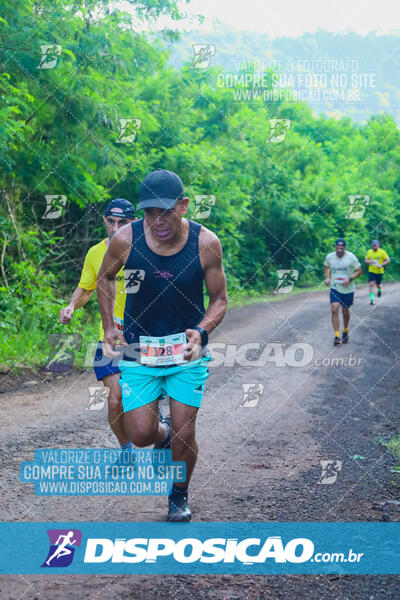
128 210
341 241
160 189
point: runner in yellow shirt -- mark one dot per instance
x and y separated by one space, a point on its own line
376 258
118 212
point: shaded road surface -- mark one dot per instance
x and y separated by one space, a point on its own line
258 463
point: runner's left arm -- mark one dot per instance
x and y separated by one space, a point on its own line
386 261
357 273
357 270
214 278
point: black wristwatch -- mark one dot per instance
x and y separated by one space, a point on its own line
350 279
204 336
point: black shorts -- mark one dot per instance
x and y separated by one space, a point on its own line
377 277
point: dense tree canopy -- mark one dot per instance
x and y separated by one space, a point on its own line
278 205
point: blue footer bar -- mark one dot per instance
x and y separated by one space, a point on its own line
200 548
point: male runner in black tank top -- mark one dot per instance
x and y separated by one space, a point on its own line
167 258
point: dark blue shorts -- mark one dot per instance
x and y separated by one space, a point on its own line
345 300
377 277
103 365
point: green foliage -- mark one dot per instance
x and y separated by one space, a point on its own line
393 445
278 205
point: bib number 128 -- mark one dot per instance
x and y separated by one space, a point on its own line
164 350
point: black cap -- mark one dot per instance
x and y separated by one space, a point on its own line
341 241
128 210
160 189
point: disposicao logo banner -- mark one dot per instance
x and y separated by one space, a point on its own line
202 548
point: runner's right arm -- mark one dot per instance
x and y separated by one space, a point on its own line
85 288
327 274
78 299
115 258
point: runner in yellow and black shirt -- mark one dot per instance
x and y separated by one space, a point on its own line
376 258
118 212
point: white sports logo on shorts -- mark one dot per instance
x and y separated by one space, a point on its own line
126 389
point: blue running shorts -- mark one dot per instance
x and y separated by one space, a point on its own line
345 300
103 365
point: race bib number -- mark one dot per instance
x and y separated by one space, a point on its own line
340 278
165 350
374 263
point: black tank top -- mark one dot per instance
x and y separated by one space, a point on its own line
164 294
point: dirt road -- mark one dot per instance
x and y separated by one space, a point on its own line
256 463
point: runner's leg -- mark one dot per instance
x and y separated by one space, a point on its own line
346 317
115 411
372 281
371 286
379 286
335 316
183 436
143 425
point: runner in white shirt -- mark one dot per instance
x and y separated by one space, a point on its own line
341 269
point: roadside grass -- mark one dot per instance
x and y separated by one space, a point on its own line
393 445
30 346
239 299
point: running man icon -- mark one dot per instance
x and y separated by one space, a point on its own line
62 550
133 279
286 281
62 542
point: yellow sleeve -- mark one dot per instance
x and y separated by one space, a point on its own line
88 280
384 255
368 255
